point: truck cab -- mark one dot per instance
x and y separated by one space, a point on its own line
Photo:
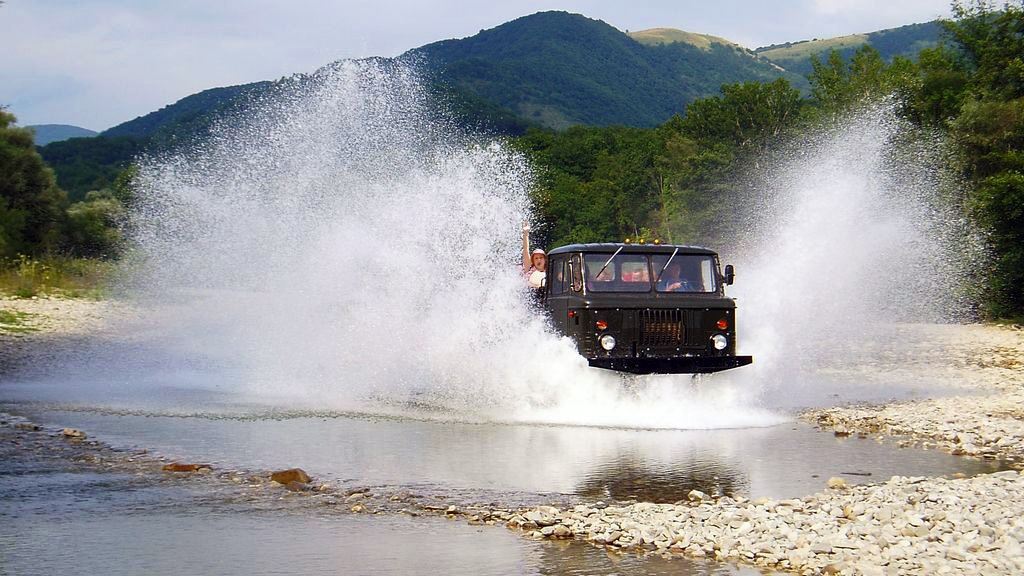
644 308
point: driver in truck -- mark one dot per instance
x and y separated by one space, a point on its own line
673 281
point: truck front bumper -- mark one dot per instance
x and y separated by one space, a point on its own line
675 365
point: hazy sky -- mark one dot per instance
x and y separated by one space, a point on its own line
96 63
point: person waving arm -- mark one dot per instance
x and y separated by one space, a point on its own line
526 247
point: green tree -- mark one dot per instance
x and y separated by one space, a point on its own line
999 201
941 89
750 115
837 84
989 129
595 184
124 188
31 204
991 41
92 225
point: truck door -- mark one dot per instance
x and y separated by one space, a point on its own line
558 292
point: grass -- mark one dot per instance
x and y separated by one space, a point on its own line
14 322
803 50
25 277
657 36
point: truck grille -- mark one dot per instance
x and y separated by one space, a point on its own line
661 328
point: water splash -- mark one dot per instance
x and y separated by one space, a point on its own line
345 249
853 232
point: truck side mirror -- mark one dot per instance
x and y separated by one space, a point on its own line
730 274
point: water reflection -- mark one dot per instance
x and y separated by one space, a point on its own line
635 480
573 559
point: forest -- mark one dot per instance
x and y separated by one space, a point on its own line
670 181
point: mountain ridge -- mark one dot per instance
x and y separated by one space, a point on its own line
550 69
903 41
562 69
44 134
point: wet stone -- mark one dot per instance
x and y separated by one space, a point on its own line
696 496
183 467
73 434
290 475
836 483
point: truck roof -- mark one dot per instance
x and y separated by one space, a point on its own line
610 247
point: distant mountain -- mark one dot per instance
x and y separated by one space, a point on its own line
85 164
190 114
46 133
559 69
904 41
552 69
82 165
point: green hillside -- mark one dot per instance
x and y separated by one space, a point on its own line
46 133
188 116
904 41
659 36
85 164
559 69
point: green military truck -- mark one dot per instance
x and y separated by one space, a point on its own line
644 308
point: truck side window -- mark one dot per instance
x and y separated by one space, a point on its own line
576 271
557 276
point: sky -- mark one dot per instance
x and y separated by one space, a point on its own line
97 63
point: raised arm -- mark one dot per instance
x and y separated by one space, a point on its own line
527 263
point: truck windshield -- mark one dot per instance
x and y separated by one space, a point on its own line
624 273
685 273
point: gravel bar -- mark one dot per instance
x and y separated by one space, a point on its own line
908 525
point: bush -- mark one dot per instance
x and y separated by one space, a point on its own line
25 277
92 226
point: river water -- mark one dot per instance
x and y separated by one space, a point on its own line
524 462
61 520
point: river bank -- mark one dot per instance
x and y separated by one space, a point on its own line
985 419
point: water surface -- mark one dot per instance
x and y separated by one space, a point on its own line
489 461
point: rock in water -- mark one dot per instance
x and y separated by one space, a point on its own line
836 482
295 486
696 496
72 433
561 531
290 475
181 467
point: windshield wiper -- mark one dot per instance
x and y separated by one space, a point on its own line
665 267
609 262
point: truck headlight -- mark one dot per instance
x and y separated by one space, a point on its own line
607 341
720 342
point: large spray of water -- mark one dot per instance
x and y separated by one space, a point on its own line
341 249
851 233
